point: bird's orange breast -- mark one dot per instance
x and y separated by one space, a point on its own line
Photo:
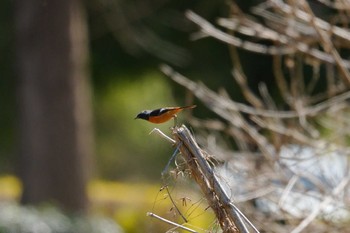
164 117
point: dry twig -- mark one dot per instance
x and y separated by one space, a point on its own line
228 215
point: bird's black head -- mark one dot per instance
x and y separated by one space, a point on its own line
143 115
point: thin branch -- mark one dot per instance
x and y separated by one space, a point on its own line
170 222
229 218
241 79
163 135
337 31
322 205
327 44
209 30
174 204
203 92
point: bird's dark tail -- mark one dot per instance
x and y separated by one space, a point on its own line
190 106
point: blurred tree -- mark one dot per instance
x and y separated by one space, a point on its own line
54 102
7 93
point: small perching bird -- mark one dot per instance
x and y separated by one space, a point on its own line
161 115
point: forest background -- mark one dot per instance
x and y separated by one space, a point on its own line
127 41
119 47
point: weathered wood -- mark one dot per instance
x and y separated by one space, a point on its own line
228 217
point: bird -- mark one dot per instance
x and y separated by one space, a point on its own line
161 115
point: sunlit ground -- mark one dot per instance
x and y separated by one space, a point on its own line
128 203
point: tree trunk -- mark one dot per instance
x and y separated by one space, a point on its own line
54 102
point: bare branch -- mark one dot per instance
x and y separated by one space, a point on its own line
170 222
322 205
229 218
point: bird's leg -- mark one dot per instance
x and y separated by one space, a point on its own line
175 120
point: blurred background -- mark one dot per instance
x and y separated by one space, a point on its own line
74 74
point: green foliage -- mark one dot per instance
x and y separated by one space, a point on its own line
123 80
